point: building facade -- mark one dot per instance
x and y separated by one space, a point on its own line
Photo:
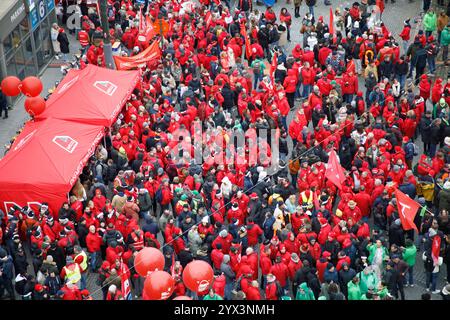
25 42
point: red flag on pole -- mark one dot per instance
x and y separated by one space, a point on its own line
248 49
331 26
172 267
208 19
335 172
142 26
273 67
407 209
436 248
125 278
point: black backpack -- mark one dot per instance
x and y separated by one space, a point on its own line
280 291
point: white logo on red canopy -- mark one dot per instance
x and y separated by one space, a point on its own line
65 142
106 87
24 140
67 85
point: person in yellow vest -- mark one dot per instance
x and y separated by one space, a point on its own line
307 199
71 272
80 257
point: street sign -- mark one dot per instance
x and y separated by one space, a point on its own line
34 18
50 5
42 9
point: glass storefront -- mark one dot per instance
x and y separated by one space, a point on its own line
20 59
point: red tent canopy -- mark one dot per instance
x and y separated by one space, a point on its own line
93 95
45 162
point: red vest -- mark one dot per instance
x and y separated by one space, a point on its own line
83 37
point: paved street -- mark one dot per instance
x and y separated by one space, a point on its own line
394 16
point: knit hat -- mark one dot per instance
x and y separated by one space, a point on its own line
446 290
447 141
431 232
223 233
271 278
446 185
226 258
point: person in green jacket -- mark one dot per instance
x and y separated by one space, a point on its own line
409 256
354 291
368 279
304 293
445 41
212 295
430 22
258 67
377 254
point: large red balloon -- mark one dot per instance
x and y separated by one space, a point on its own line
11 86
31 86
35 105
158 285
182 298
148 260
198 276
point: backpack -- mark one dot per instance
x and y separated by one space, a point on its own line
280 291
416 149
256 68
104 170
158 195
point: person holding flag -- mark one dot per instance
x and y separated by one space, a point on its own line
124 274
432 260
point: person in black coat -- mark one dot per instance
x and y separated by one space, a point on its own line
82 232
185 256
425 131
58 255
396 234
63 43
3 105
20 262
346 274
228 96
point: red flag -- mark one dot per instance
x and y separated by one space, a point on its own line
436 248
331 26
248 49
150 55
407 209
125 278
208 19
335 172
273 67
172 267
142 26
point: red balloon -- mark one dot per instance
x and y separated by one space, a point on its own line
148 260
182 298
31 86
35 105
158 285
198 276
11 86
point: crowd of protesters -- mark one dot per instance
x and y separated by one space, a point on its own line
287 233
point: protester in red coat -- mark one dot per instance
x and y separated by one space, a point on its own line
254 232
224 239
280 271
424 87
271 288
